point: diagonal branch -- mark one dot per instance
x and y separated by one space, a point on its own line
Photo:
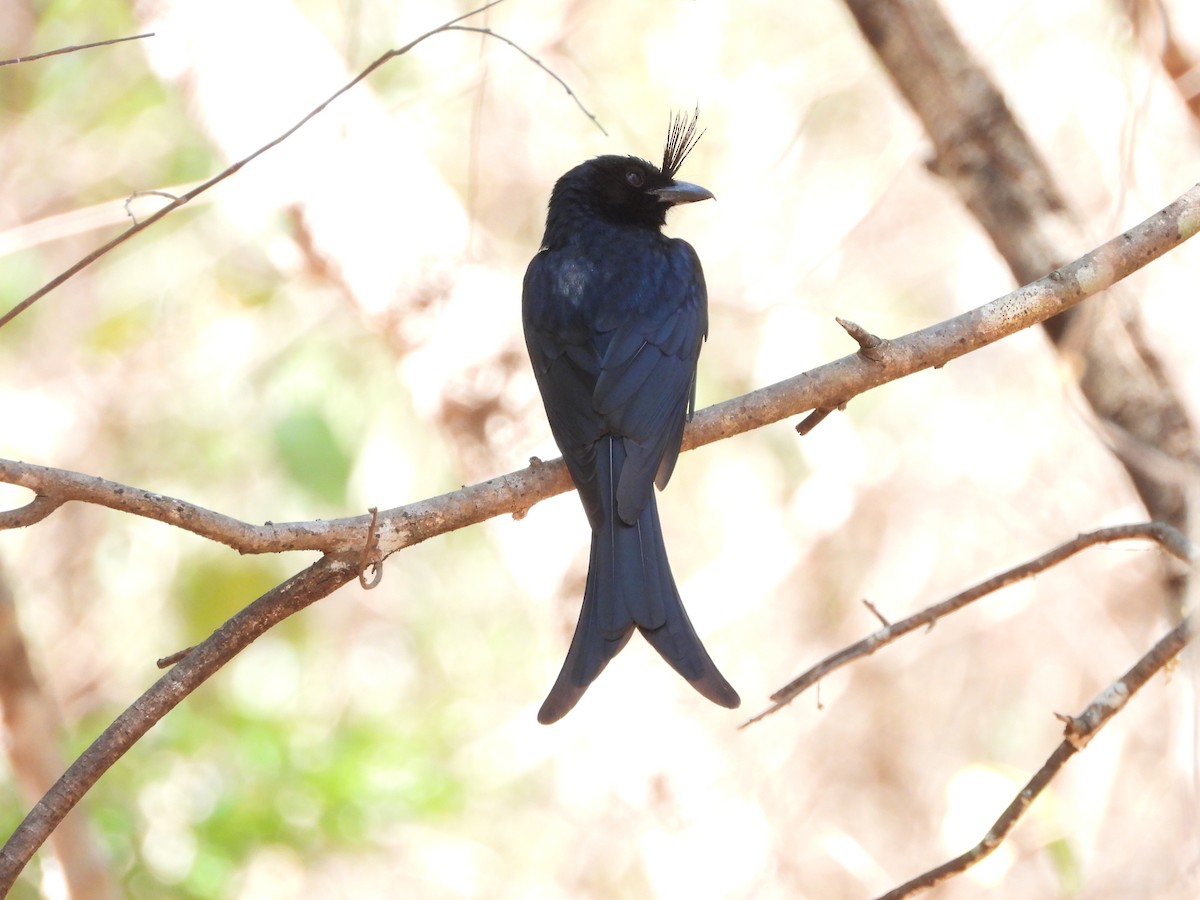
835 383
33 745
827 386
73 48
1167 537
451 25
1078 733
201 662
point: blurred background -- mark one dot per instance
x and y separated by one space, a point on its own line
337 326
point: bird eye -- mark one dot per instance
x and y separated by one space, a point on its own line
634 177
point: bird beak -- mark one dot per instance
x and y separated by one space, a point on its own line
682 192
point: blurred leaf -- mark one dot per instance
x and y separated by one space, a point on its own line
273 790
211 589
1066 865
124 329
312 456
20 275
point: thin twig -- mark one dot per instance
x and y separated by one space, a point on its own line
72 49
1166 536
165 662
537 62
128 200
868 344
235 167
883 620
1079 731
816 417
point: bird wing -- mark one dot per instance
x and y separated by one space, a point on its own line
566 363
647 383
616 353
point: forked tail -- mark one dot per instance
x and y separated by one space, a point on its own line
629 585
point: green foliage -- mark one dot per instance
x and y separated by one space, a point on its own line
12 804
212 585
312 456
220 785
1066 863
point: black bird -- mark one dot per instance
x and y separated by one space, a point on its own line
614 314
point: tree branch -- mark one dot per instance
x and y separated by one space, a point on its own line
318 581
983 153
537 62
33 744
72 49
1166 536
183 199
1078 733
825 387
343 540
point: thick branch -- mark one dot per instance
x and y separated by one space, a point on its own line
318 581
1152 24
827 387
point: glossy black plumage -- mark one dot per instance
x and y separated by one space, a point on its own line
615 313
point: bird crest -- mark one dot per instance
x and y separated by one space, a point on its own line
681 138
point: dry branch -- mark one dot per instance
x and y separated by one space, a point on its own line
347 542
343 540
1078 730
1167 537
314 583
73 49
1078 733
183 199
825 387
34 749
984 154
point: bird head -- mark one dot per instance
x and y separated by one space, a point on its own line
628 191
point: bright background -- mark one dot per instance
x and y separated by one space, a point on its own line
337 326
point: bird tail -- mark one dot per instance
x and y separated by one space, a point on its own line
629 585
